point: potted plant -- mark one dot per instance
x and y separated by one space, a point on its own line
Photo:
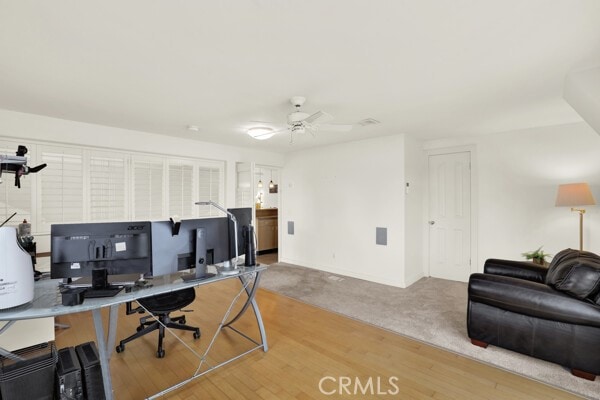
537 256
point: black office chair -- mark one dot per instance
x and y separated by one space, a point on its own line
161 306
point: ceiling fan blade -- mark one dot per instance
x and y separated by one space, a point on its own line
335 127
319 116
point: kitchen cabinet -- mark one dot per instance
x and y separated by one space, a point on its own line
267 229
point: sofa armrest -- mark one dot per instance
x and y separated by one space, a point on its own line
516 269
531 298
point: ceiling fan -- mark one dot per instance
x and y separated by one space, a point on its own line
299 122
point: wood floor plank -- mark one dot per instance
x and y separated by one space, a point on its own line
307 344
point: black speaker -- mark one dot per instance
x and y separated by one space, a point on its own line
249 245
99 278
93 386
68 375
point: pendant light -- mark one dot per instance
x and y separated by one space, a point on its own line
260 184
271 184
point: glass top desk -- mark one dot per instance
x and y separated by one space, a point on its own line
47 302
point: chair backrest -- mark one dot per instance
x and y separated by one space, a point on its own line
169 302
576 273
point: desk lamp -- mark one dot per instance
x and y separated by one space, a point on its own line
575 194
226 268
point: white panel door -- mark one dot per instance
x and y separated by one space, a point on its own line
450 216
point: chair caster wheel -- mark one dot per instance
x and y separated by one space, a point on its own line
139 328
197 335
160 353
120 348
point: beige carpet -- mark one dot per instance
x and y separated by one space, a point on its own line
431 310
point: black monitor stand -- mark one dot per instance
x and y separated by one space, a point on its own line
200 257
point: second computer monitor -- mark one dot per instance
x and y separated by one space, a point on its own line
175 252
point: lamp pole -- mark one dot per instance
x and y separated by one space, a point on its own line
581 211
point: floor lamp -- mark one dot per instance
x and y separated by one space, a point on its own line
575 195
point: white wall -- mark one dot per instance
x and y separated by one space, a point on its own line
416 177
25 127
518 175
337 196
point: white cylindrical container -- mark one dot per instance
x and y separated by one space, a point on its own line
16 270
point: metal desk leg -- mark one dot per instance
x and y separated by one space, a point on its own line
105 345
251 301
261 327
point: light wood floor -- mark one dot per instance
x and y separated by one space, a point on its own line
307 344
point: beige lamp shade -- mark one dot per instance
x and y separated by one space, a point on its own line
574 194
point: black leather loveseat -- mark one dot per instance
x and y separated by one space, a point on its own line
552 314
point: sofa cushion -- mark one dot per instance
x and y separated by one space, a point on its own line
576 273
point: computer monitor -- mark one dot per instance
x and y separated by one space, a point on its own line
175 252
119 247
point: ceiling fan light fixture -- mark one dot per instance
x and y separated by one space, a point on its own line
260 133
298 128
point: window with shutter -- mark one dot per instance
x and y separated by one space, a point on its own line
107 187
181 190
61 186
243 191
82 184
210 188
148 190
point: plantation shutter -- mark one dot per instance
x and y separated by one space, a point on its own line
209 182
148 190
181 190
107 187
61 186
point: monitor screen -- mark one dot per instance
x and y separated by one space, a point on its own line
172 253
119 247
244 218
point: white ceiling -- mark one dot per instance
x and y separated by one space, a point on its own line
423 67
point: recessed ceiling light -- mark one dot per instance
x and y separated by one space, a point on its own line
368 121
260 133
194 128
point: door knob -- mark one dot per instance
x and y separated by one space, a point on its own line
431 222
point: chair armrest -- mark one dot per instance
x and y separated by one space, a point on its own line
531 298
516 269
